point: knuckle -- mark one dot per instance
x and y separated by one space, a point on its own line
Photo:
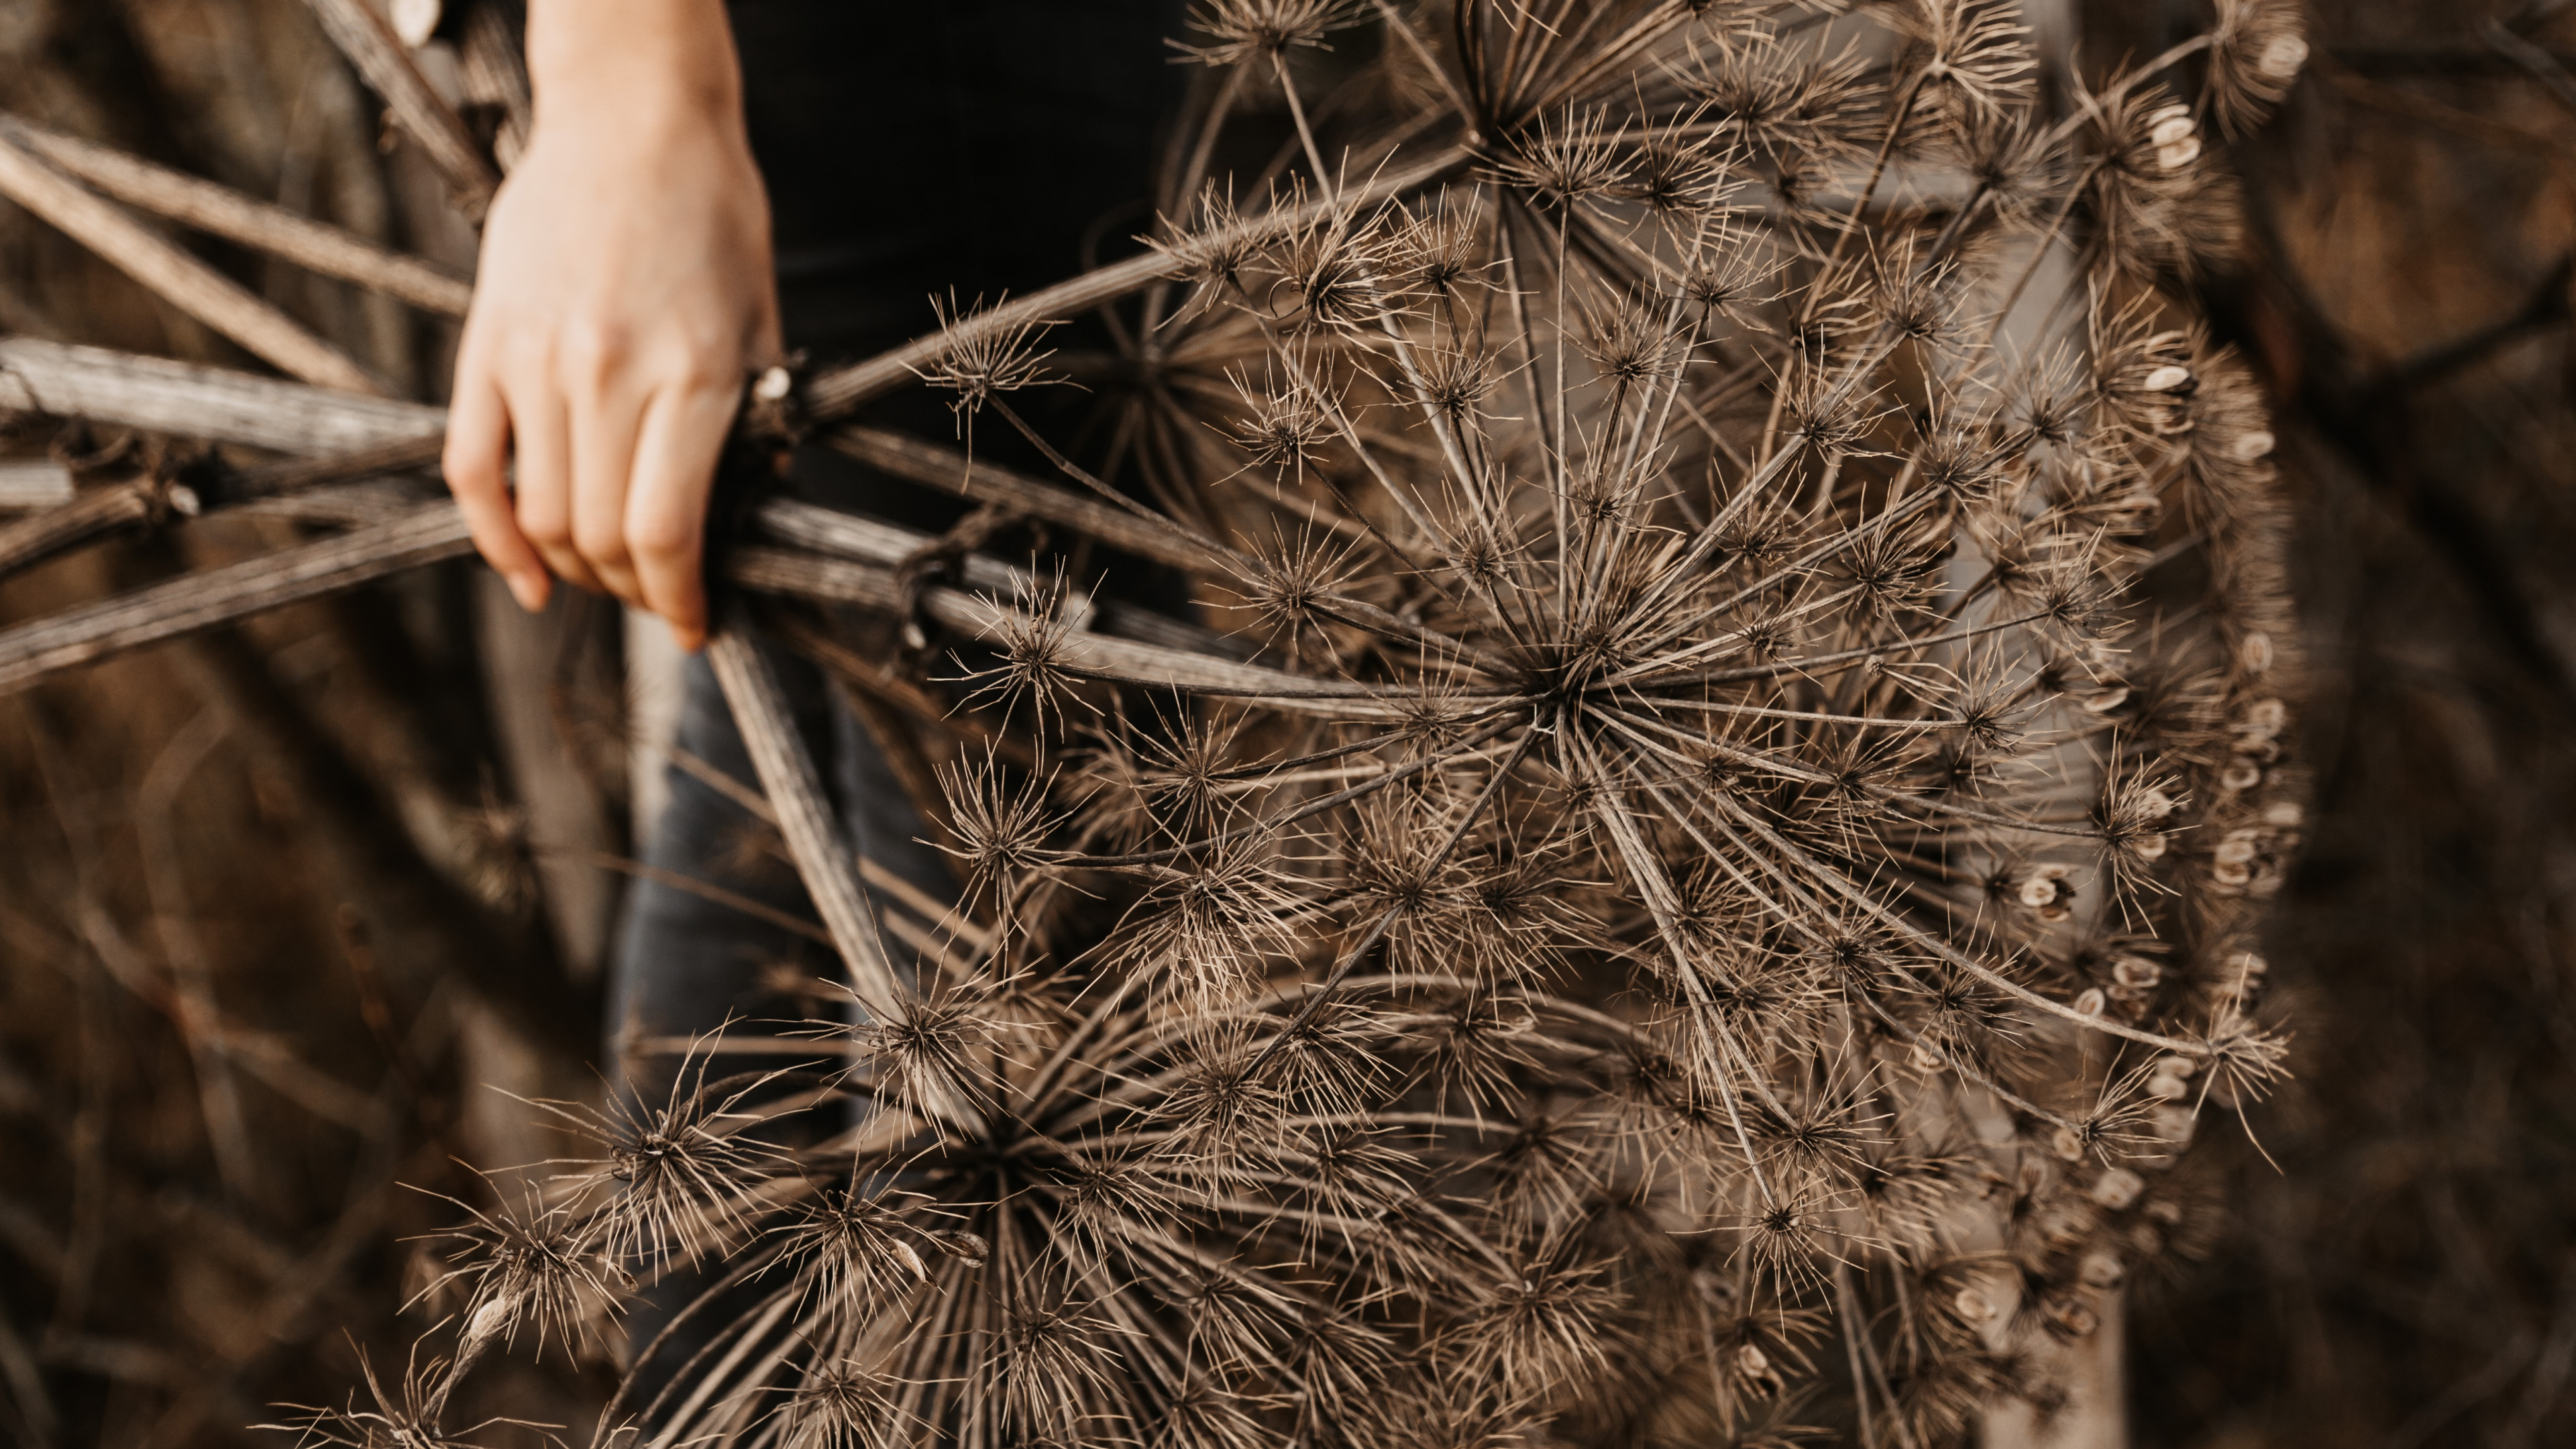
521 353
697 365
591 350
663 536
469 470
601 543
546 528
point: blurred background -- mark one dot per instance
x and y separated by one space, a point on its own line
290 914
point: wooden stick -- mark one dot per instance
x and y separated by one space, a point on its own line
217 404
935 465
179 278
40 647
436 531
145 392
364 35
947 916
34 483
211 207
294 475
879 679
373 438
838 392
1131 661
40 536
847 535
795 792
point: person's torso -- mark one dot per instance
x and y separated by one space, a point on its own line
913 147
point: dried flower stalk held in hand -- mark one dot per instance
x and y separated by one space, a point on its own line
379 436
804 817
1724 876
1668 586
30 651
100 510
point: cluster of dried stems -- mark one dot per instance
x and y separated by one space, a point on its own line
1692 878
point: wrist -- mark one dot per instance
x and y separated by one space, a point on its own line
634 63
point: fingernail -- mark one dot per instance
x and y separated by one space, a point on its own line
530 591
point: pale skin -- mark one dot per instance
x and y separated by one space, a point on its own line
624 295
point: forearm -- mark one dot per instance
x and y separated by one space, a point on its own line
629 61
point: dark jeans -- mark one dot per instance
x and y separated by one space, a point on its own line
687 966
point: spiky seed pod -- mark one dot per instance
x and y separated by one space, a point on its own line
1565 157
409 1416
1966 62
1540 1321
926 1056
2256 52
1000 829
527 1267
840 1406
986 362
1241 30
1282 427
673 1178
854 1251
1336 275
1034 638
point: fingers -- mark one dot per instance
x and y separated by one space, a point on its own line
541 431
666 508
612 477
476 462
605 416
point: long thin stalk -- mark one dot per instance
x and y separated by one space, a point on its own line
224 212
177 277
40 536
795 791
936 465
35 649
839 392
219 405
367 38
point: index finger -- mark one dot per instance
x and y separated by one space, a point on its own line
475 462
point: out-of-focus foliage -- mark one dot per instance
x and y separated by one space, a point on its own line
236 874
2407 1275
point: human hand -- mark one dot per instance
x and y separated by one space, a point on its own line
624 296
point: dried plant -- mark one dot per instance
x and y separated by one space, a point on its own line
1693 878
1724 884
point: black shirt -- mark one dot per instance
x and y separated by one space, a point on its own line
945 143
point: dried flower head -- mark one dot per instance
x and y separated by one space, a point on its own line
2256 52
1738 733
525 1266
985 358
1240 30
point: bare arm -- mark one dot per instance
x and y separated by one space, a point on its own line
624 293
